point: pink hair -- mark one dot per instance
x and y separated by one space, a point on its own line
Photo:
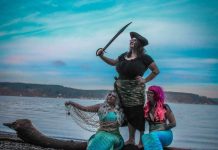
159 97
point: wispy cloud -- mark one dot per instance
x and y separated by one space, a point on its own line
160 31
85 2
188 63
59 63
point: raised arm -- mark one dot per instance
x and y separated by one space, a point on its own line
108 60
171 118
93 108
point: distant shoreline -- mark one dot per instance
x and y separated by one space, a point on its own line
101 99
57 91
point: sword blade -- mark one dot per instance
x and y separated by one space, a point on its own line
115 36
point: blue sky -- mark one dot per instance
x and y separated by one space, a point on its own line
54 41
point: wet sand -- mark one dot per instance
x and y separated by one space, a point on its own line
10 141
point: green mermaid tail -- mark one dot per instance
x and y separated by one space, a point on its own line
103 140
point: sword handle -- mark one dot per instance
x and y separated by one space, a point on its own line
100 53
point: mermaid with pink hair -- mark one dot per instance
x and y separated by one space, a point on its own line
160 118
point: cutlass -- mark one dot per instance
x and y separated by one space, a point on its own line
115 36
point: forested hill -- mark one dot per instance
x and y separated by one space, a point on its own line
42 90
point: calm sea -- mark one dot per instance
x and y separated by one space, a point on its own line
197 125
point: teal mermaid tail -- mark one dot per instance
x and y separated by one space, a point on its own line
103 140
156 140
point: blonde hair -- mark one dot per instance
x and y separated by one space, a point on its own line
105 108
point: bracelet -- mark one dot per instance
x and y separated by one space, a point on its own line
155 73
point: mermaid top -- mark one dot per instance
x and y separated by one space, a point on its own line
108 122
157 124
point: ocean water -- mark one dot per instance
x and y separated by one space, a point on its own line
197 125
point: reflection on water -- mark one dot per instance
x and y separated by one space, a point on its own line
196 124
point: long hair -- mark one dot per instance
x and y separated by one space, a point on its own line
159 98
105 108
139 50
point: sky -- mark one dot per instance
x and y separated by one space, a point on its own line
54 42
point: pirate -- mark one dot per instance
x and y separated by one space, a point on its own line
130 84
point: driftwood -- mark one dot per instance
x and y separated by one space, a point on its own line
29 134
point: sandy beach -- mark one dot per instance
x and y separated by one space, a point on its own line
10 141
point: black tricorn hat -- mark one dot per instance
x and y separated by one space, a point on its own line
142 39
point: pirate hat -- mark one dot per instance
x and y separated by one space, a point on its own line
142 39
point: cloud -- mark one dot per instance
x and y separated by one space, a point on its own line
167 33
15 59
77 47
20 25
64 23
59 63
161 31
187 63
16 75
85 2
36 49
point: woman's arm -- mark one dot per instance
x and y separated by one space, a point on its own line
109 61
93 108
154 72
171 118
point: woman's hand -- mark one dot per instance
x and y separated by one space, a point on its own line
70 103
74 104
67 103
100 52
140 80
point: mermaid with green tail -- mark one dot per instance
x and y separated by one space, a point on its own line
104 140
110 117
